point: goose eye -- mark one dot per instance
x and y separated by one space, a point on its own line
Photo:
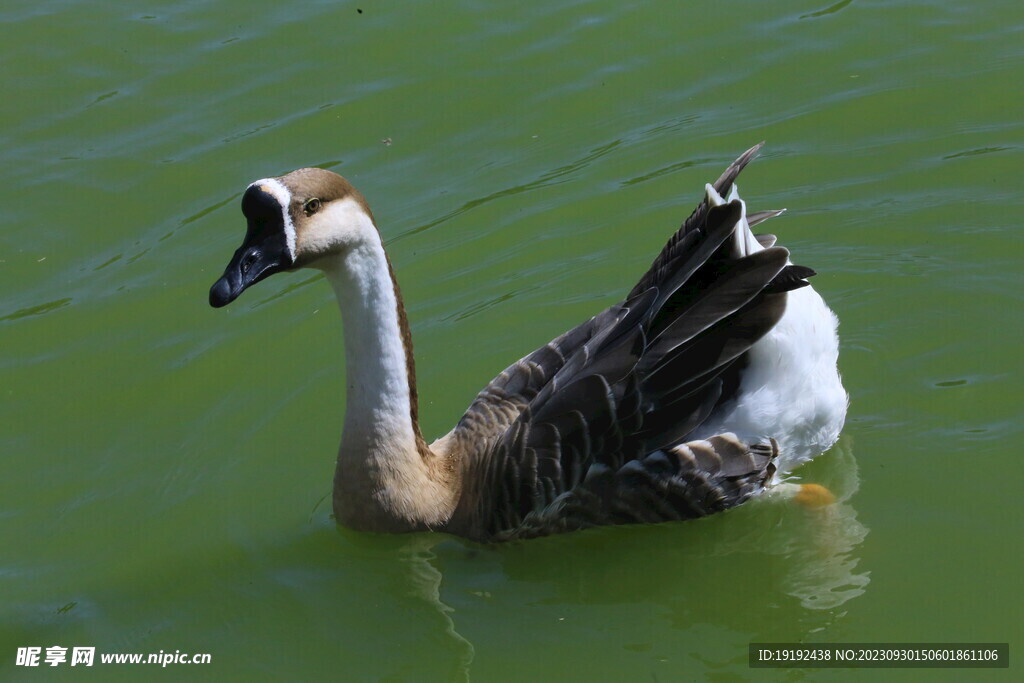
311 206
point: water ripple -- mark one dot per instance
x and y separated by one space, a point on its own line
977 152
831 9
37 310
553 177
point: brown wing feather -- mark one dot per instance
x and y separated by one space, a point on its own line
584 430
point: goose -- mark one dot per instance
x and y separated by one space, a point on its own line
713 378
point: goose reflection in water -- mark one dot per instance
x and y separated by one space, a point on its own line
775 561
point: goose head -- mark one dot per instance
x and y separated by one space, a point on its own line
294 221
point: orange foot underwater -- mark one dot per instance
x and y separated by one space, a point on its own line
814 496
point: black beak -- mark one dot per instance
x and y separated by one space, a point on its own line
249 265
263 253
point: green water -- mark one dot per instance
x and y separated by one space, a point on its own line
167 467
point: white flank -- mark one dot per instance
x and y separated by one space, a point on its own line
791 389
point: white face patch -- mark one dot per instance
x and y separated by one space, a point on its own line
341 223
279 192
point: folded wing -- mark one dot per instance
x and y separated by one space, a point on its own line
592 428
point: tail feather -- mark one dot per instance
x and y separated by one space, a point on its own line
696 221
761 216
728 177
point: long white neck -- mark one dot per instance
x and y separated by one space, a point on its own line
384 479
377 379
